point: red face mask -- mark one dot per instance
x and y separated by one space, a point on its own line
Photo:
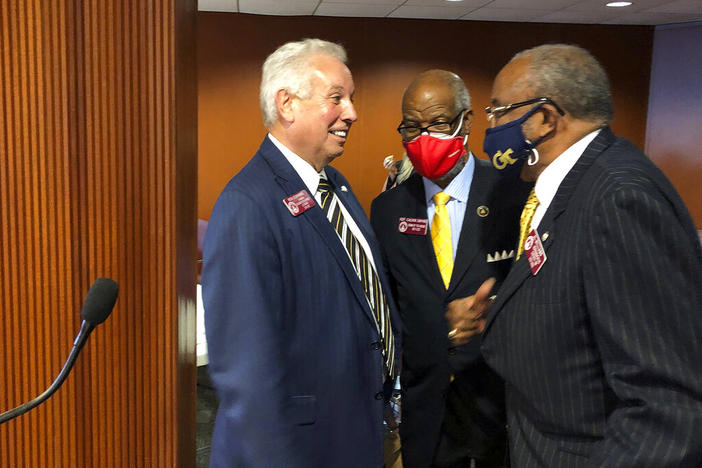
432 157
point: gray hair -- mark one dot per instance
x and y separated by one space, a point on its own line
572 77
288 68
460 92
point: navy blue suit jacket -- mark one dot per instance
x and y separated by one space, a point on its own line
601 350
292 342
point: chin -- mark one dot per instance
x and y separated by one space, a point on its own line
529 173
335 153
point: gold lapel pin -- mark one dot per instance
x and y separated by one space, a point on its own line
483 211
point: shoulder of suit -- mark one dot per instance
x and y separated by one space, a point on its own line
479 162
255 177
336 176
400 192
622 170
624 165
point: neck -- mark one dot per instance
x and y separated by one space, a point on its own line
552 148
279 132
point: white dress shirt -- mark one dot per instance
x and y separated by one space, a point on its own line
550 179
310 177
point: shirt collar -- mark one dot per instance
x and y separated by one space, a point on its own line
307 173
550 178
458 188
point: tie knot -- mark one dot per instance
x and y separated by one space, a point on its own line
441 198
324 186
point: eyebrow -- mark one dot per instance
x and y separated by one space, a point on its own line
438 119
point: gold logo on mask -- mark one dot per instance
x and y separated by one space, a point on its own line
501 160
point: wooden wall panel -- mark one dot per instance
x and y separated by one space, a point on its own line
384 55
97 131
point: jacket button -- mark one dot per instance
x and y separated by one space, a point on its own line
375 345
379 396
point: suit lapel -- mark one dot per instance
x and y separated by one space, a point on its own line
351 204
469 241
291 183
419 246
520 271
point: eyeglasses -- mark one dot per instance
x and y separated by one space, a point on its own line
410 132
498 111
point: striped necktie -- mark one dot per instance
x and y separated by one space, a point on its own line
364 269
441 237
525 221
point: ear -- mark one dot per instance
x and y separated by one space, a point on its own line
284 102
548 122
467 121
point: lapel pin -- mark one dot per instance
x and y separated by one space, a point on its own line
483 211
544 236
343 188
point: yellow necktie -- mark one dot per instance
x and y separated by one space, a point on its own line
525 220
441 237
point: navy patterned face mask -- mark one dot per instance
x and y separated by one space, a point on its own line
507 146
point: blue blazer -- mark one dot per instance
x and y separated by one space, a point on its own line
293 347
601 350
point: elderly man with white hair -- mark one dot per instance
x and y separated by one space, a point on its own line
300 324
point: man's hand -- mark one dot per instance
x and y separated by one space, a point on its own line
466 316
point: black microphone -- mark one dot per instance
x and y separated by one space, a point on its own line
97 306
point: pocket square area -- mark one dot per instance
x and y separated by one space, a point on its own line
499 256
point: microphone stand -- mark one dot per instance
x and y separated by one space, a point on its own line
81 339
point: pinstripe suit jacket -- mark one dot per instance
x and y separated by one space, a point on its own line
293 347
601 351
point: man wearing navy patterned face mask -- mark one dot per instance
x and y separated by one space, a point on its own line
596 329
452 404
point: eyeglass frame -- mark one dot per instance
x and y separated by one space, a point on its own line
502 110
426 129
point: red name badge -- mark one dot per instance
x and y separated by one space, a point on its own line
534 250
417 226
299 203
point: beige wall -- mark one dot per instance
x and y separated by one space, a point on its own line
384 55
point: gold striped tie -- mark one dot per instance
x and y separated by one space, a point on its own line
525 220
364 269
441 237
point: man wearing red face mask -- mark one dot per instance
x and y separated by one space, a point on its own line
442 232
